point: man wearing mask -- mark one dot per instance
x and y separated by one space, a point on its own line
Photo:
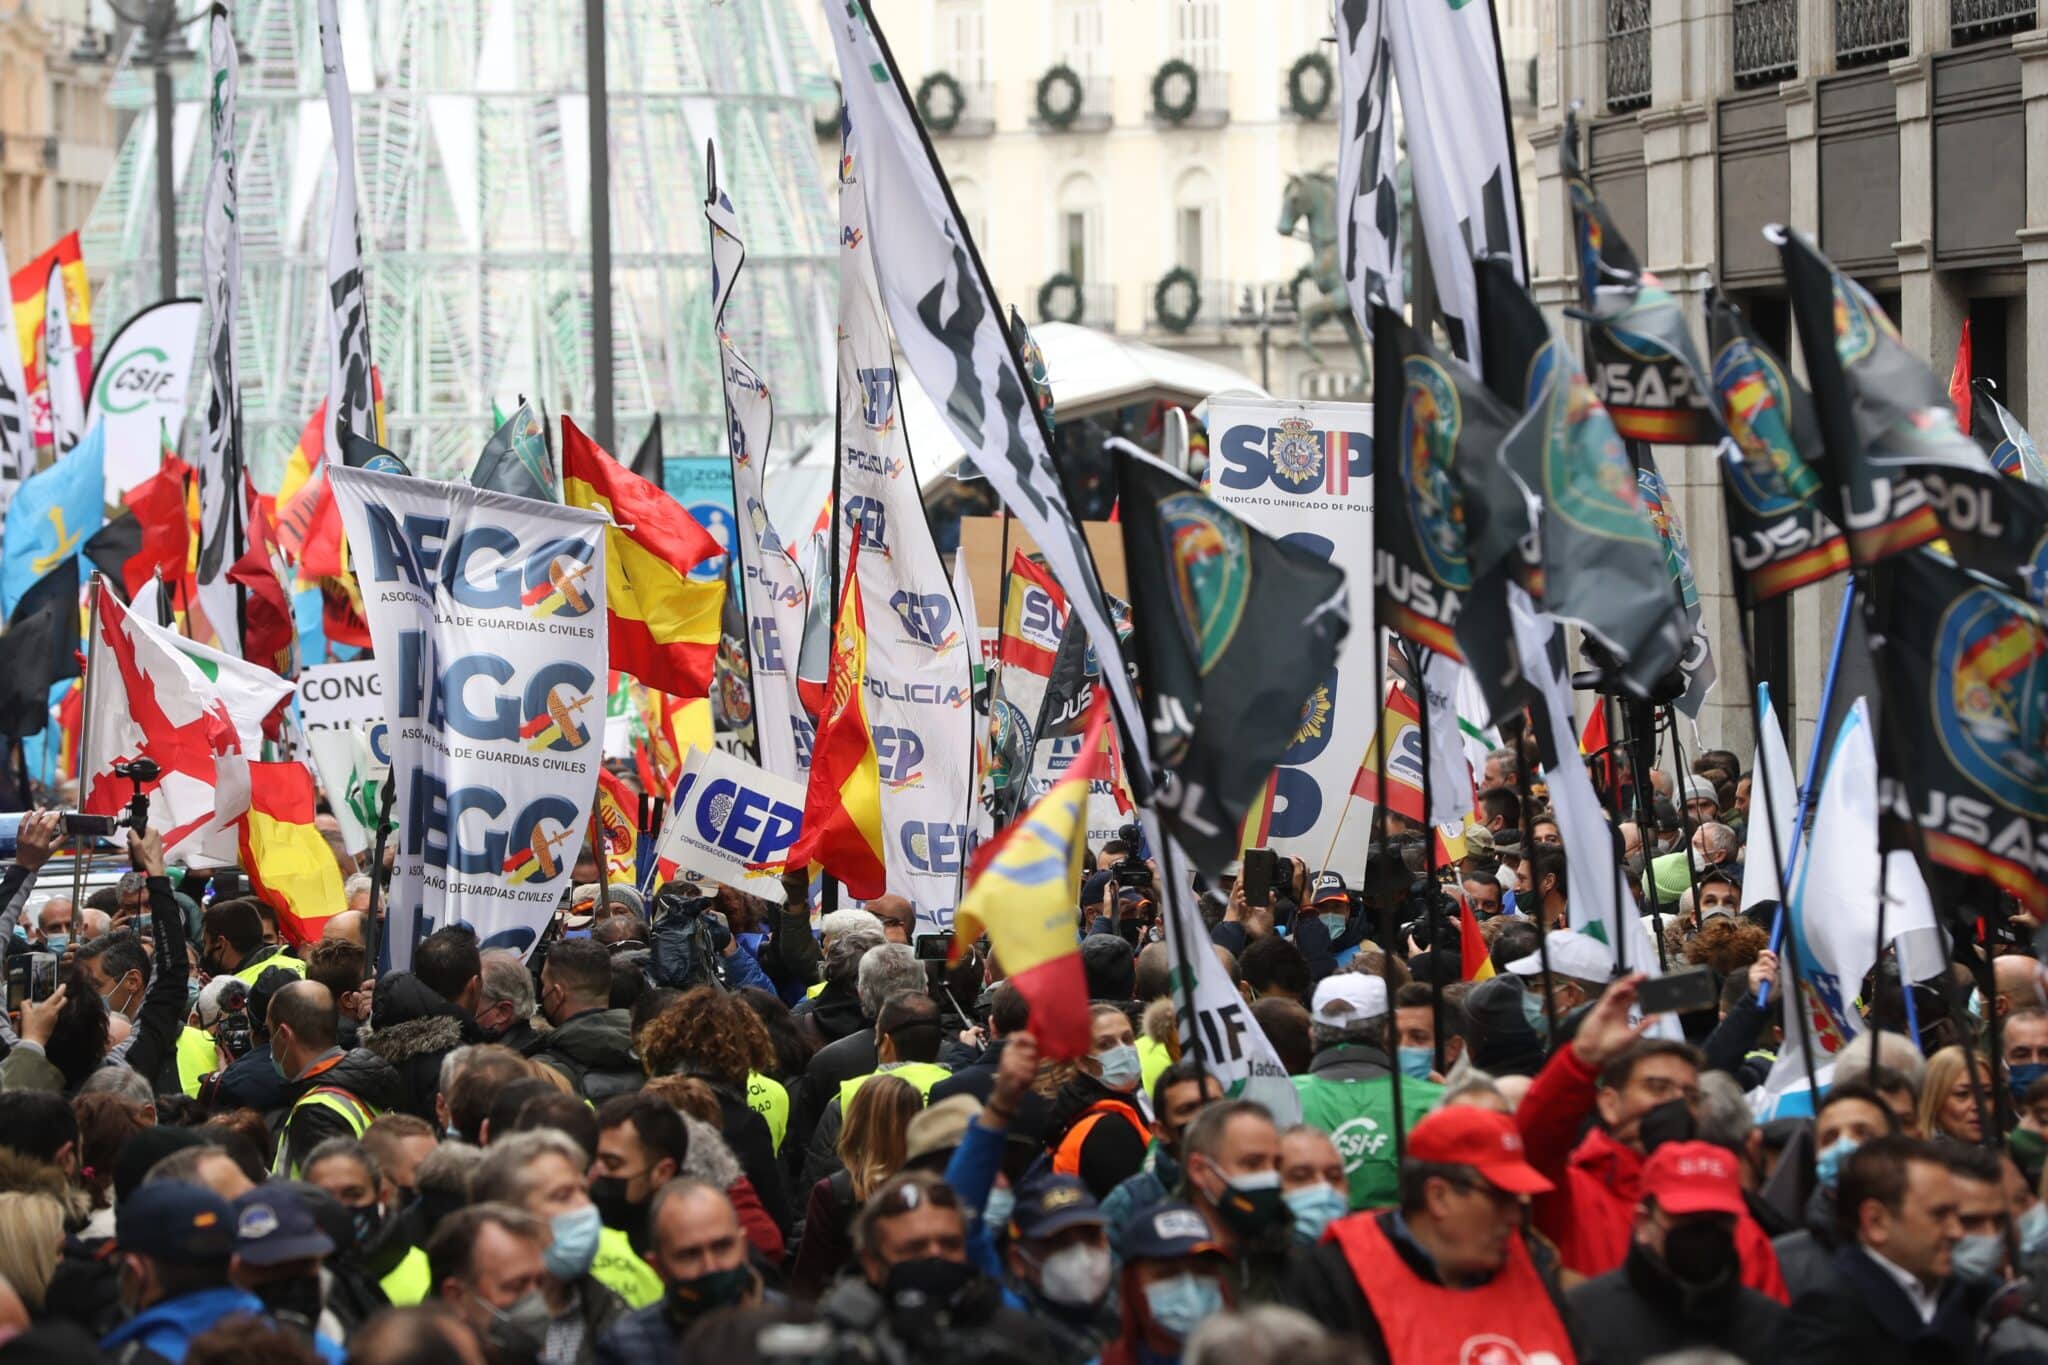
1176 1276
1979 1259
1540 881
591 1043
642 1144
1231 1175
1851 1114
487 1269
331 1093
1578 968
1058 1262
1680 1288
1312 1181
279 1251
1640 1093
1177 1096
546 1174
1415 1032
700 1252
1350 1081
345 1169
174 1243
505 1003
148 991
231 943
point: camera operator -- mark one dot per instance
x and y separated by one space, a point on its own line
693 945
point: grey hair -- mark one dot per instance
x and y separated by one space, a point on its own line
1896 1053
843 954
1506 757
1475 1083
448 1168
358 881
451 1067
1716 837
344 1149
122 1081
846 921
1370 1031
503 1175
505 977
1263 1334
1725 1117
887 971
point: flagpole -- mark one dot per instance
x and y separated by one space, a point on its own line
378 881
1528 846
1417 666
78 856
604 876
1390 924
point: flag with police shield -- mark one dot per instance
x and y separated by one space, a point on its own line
1963 738
1232 628
2006 443
488 616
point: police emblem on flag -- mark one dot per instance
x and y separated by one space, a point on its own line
1858 321
1211 571
1430 419
1771 478
1298 452
1991 697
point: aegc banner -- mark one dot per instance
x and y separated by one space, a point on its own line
487 612
1303 472
729 816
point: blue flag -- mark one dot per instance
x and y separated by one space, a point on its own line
53 514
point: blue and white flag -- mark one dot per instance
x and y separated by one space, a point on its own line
51 516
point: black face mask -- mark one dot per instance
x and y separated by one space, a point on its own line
1701 1255
294 1302
715 1289
929 1282
617 1209
1671 1121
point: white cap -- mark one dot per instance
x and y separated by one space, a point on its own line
1571 954
1349 996
1699 789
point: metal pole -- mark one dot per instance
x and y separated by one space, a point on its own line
161 19
600 224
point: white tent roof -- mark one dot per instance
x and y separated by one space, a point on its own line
1090 372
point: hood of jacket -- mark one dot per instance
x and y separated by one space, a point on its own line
25 1175
709 1158
403 997
1618 1168
166 1327
1078 1094
837 1012
1351 1062
363 1074
1504 1044
596 1040
429 1037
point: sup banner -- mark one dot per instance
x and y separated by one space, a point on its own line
488 616
731 819
1303 473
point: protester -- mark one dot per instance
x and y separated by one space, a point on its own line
545 1174
1176 1276
1099 1133
1350 1082
700 1252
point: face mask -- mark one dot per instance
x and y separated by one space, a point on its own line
2033 1229
614 1207
1417 1062
1335 923
191 996
1002 1202
1701 1255
1671 1121
1533 1015
712 1290
1120 1066
927 1281
1076 1276
2022 1078
1251 1203
1315 1207
569 1256
1978 1259
277 1063
56 943
367 1219
107 999
1827 1167
521 1331
1181 1304
295 1301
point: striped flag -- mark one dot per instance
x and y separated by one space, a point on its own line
290 866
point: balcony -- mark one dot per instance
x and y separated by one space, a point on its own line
956 108
1628 54
1766 42
1869 31
1064 101
1184 97
1064 299
1972 21
1179 303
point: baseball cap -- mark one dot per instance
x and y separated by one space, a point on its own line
1052 1204
273 1225
1345 996
1488 1142
1330 886
1699 789
940 1127
1167 1230
174 1220
1478 838
1691 1177
1571 954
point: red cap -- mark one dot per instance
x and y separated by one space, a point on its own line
1692 1177
1487 1141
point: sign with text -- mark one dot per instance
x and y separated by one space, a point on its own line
730 816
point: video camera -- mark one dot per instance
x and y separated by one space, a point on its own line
1132 869
137 771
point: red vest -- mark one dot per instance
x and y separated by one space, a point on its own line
1508 1321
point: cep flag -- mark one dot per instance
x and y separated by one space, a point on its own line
1233 630
1963 745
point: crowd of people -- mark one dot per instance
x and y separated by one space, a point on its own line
700 1126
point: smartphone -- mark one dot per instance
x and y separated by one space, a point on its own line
934 947
1679 992
1261 871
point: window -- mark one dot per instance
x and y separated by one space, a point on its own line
1075 228
963 40
1194 223
1074 244
1187 252
1195 27
1077 35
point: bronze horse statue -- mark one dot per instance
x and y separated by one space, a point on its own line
1313 197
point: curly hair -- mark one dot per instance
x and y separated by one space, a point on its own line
1727 944
708 1032
689 1095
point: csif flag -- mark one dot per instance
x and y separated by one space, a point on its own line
1234 629
290 865
354 779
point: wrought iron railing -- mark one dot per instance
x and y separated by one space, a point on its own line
1972 20
1868 31
1628 54
1766 41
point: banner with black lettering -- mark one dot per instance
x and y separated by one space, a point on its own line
140 387
487 612
350 406
223 510
17 432
730 823
1369 246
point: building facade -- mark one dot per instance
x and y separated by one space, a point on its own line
57 134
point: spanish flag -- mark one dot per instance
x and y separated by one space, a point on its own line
288 861
618 819
1474 957
1023 887
29 289
843 804
664 624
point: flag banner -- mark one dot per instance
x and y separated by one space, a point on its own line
1303 471
774 600
2005 442
41 643
648 461
488 616
1236 630
1460 152
1962 668
290 866
946 318
920 665
151 538
1781 535
1450 777
1054 741
1884 420
1034 621
1646 369
1391 775
618 824
733 824
664 625
52 516
1773 801
346 696
223 483
1697 665
30 287
515 460
196 712
269 625
17 425
1369 247
1024 886
1832 918
1603 565
66 367
140 387
1959 387
732 691
350 405
353 775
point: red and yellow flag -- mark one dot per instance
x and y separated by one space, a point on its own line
843 804
288 861
664 624
1475 962
1022 891
618 819
29 289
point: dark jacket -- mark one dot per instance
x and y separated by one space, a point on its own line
1637 1312
414 1029
1862 1317
640 1336
1806 1258
601 1310
595 1051
833 1013
1730 1046
1113 1151
162 1016
746 1132
978 1078
829 1068
363 1074
250 1082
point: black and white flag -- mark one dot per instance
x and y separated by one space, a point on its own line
1368 201
17 437
222 514
351 405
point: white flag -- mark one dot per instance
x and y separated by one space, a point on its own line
1368 201
140 387
223 512
17 437
350 403
60 366
1773 806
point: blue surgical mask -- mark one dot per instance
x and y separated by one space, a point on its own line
56 943
2033 1229
995 1213
1827 1167
1532 1013
568 1257
1335 923
2022 1078
1978 1258
1120 1066
1418 1062
1181 1304
1315 1207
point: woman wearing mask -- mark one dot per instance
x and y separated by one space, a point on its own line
1101 1134
1312 1181
871 1148
1955 1084
1175 1277
715 1036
